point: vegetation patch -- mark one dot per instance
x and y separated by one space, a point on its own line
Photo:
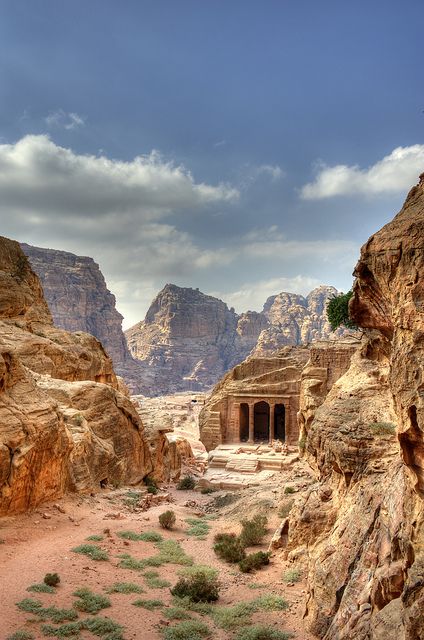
176 613
285 508
46 613
288 490
148 604
171 552
270 602
167 519
132 499
229 547
128 562
199 584
204 608
187 630
383 428
198 528
69 630
95 538
154 581
41 588
92 551
103 627
253 531
224 501
89 601
21 635
254 561
262 632
51 579
186 483
292 575
124 587
230 618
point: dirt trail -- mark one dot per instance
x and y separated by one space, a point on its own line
41 542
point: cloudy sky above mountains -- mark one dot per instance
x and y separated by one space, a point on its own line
242 147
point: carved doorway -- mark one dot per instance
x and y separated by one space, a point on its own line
261 422
244 422
280 422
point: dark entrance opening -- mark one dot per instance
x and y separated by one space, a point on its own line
244 422
280 422
261 422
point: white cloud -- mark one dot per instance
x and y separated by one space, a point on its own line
38 176
252 295
60 119
395 173
273 171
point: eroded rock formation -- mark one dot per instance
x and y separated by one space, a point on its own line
257 401
361 529
189 340
64 424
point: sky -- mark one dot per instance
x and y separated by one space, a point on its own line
244 147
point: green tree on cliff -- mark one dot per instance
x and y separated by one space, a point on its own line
338 311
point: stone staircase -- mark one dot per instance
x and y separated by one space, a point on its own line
243 464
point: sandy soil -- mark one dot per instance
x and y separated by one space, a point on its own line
42 541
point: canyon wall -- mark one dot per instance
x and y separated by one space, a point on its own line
360 530
189 340
64 424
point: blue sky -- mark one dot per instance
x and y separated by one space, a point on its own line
241 146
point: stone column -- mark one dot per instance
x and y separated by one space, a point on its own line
271 421
251 423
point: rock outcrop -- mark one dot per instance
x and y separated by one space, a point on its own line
79 300
64 424
361 528
189 340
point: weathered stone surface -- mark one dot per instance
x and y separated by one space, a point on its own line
362 526
64 425
275 380
189 340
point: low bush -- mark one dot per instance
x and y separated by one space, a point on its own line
292 575
124 587
199 584
170 551
150 605
270 602
187 630
254 561
145 536
91 551
46 613
262 632
41 588
95 538
229 547
230 618
186 483
90 602
68 630
21 635
154 581
167 519
51 579
253 530
288 490
199 528
103 627
176 613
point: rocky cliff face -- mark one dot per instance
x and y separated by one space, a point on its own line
361 529
189 340
64 424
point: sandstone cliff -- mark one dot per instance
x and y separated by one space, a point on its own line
79 300
189 340
361 529
64 424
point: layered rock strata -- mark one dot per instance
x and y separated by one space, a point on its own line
189 340
361 529
64 424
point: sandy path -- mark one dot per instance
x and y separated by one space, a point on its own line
34 545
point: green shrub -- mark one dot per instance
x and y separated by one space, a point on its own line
95 538
21 635
200 584
230 618
145 536
148 604
262 632
124 587
132 499
153 490
151 485
199 528
89 601
154 581
171 552
186 483
254 561
292 575
270 602
51 579
46 613
187 630
41 588
338 311
253 530
383 428
68 630
167 519
92 551
204 608
288 490
128 562
229 547
101 626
